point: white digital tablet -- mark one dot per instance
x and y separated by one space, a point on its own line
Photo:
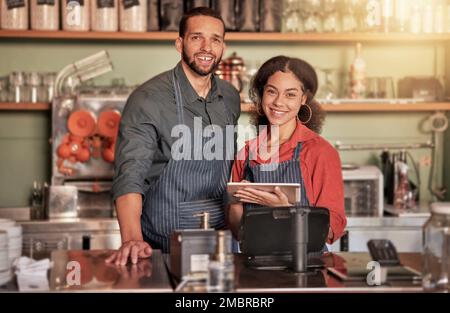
291 190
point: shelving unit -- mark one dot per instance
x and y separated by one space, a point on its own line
24 106
230 36
248 107
247 37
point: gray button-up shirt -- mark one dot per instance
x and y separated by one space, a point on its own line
144 141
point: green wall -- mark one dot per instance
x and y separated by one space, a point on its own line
24 136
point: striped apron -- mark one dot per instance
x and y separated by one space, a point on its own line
285 172
184 189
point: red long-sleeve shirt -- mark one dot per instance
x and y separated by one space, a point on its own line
320 167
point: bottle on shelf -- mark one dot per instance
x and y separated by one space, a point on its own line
404 198
358 75
439 16
428 17
387 15
416 18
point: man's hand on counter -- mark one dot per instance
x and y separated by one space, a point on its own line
133 249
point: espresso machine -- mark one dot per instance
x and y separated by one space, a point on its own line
84 131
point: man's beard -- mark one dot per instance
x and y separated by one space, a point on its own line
197 69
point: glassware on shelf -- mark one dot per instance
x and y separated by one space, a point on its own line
349 16
14 14
291 16
447 16
358 75
331 16
402 15
439 16
4 93
249 72
416 17
386 87
387 15
48 85
16 87
372 88
310 12
327 91
428 17
380 88
371 17
33 87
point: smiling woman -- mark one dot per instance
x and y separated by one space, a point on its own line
283 91
299 81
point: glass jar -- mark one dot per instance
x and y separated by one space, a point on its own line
33 87
104 15
44 14
387 15
330 16
48 86
372 16
291 16
439 16
4 93
436 259
75 15
14 14
447 16
416 18
428 19
402 14
16 87
133 15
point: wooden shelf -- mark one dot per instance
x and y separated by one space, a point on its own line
231 36
248 107
24 106
373 107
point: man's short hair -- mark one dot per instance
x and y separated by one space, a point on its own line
198 11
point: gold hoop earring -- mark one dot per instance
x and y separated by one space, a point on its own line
310 114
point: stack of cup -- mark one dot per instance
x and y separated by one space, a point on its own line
14 239
5 265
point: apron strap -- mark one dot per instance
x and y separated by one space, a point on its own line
178 99
297 151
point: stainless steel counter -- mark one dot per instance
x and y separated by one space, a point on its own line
151 275
42 237
391 222
405 232
70 225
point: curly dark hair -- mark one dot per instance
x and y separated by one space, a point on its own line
307 76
